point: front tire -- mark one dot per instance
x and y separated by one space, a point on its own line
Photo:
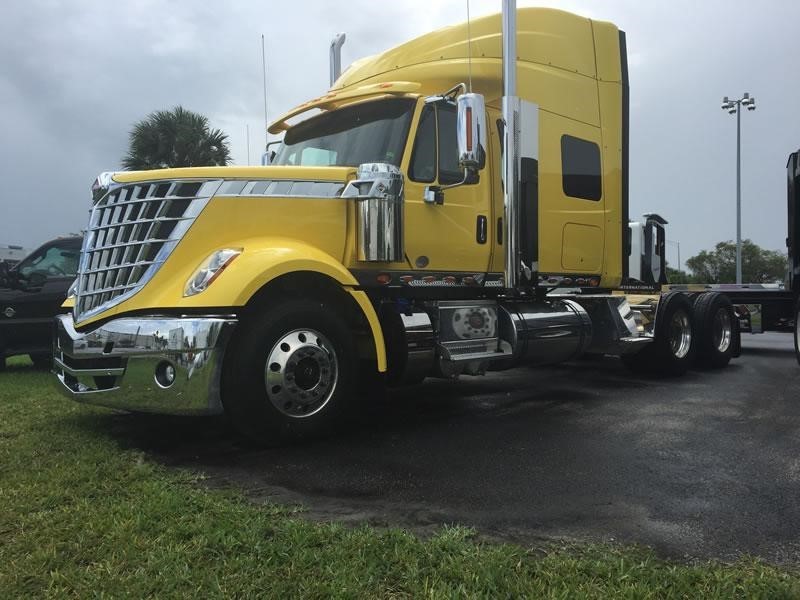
42 362
290 373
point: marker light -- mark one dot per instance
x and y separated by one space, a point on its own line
469 128
210 269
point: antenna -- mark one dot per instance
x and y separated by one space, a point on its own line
264 69
469 50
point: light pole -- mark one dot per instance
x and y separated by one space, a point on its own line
735 107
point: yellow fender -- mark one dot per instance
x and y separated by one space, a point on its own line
267 259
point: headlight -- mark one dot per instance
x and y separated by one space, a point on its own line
210 269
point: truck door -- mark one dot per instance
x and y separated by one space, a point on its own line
454 236
572 205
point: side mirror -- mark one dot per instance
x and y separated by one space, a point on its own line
471 131
269 155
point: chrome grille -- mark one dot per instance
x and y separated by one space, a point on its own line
132 230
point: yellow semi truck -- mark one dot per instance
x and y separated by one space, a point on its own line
422 218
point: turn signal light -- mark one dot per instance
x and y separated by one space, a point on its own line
469 128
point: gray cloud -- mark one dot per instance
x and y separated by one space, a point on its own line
76 76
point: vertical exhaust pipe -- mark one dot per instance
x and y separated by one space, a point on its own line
336 56
511 145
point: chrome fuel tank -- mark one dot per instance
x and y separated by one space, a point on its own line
544 332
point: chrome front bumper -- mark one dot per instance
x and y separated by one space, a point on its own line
116 365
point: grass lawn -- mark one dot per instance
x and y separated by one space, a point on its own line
82 516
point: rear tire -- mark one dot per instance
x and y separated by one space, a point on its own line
290 373
797 331
715 330
43 362
670 353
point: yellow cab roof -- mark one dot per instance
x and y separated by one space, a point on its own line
437 61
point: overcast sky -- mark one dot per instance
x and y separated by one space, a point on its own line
76 74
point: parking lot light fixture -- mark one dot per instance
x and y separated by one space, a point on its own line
735 107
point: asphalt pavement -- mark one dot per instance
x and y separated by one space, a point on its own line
703 466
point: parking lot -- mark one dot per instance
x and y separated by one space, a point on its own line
707 465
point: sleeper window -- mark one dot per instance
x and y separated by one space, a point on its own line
580 167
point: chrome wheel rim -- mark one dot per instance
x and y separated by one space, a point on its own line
680 334
301 373
722 330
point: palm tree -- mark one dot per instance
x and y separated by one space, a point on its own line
175 138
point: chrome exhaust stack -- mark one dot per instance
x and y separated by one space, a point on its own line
511 155
336 56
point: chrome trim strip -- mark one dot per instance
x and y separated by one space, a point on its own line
137 222
59 365
282 188
428 279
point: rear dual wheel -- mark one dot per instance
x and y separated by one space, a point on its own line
716 330
290 373
705 334
671 351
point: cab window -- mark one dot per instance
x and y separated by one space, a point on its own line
435 154
423 158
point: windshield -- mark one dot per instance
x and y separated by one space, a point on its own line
57 260
350 136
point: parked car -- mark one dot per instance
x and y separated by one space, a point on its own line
31 294
11 254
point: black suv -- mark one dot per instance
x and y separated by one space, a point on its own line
31 294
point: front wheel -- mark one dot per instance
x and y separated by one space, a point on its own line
42 361
290 373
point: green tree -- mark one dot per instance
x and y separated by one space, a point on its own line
719 265
175 138
678 276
